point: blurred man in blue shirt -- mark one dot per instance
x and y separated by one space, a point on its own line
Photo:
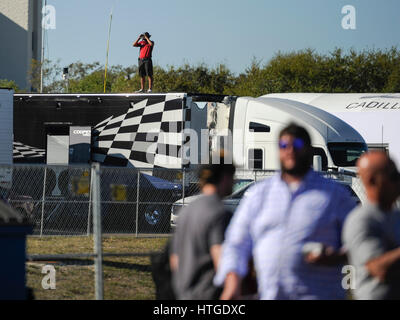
291 225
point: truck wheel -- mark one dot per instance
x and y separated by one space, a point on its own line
154 219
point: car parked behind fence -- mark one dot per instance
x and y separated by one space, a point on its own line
230 202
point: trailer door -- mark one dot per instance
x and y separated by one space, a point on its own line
57 145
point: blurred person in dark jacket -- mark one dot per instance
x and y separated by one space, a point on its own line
196 244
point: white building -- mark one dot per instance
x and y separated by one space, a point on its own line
20 39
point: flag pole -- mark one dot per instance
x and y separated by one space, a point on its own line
42 49
108 46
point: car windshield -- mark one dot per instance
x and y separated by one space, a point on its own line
239 192
240 183
346 154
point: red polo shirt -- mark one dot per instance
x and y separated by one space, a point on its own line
145 49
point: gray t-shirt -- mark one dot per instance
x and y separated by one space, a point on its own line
201 225
368 233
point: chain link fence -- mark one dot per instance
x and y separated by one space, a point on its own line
136 208
58 199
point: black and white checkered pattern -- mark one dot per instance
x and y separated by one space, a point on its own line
146 136
22 151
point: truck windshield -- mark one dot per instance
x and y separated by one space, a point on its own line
346 154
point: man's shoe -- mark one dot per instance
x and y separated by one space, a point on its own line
149 91
139 91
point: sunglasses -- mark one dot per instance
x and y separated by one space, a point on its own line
297 144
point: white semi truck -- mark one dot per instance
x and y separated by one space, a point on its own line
375 116
255 124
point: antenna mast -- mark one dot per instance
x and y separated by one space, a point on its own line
42 51
108 45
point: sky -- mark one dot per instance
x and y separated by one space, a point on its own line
232 32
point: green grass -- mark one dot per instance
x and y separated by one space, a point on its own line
124 277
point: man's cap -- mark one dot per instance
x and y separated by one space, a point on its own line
148 35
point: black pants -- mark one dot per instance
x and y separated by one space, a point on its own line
145 67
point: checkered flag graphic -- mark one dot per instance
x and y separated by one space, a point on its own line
146 136
22 151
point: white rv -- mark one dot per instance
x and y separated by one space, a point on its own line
375 116
255 124
6 136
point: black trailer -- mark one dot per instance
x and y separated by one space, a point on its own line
116 130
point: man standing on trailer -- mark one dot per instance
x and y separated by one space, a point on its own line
145 64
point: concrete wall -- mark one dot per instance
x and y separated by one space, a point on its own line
20 39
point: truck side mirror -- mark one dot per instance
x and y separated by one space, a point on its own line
317 163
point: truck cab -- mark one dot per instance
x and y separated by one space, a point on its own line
255 123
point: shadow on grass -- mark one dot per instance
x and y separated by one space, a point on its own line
107 263
130 266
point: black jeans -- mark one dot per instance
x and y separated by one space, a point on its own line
145 67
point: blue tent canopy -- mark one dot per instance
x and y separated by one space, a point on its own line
159 183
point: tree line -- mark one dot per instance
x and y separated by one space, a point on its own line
372 70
